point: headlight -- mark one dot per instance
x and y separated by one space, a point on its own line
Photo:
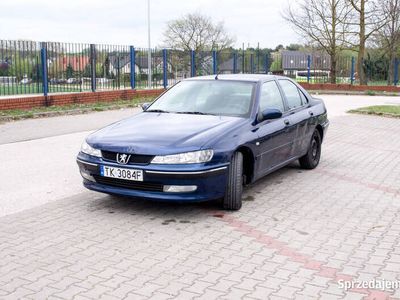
86 148
185 158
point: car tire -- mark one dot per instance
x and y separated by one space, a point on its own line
313 155
234 188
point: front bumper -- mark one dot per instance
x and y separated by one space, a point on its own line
210 181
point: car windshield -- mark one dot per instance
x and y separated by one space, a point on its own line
209 97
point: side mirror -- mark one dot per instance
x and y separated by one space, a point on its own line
145 106
270 114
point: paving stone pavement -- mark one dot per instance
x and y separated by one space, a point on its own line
298 235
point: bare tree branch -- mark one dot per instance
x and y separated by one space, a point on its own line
322 23
387 36
196 32
368 19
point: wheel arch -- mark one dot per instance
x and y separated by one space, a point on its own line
320 131
248 162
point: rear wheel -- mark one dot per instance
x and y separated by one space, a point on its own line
313 155
234 188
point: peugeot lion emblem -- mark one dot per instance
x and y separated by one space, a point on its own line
122 158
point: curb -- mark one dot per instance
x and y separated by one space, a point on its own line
49 114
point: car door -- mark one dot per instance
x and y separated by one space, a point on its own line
308 128
298 116
273 139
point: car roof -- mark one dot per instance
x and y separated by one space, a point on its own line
238 77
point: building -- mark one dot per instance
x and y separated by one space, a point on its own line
76 62
294 62
122 62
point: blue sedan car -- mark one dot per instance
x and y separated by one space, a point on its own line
205 138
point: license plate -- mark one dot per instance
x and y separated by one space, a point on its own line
120 173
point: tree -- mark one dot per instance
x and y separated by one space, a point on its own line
369 19
322 23
276 64
21 66
87 71
279 47
196 32
4 68
106 67
69 71
388 37
294 47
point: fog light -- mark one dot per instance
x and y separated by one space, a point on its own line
87 175
179 188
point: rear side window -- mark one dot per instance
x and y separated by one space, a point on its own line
303 98
292 93
271 97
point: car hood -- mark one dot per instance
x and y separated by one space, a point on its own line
162 133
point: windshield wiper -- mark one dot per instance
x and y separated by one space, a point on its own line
193 113
157 111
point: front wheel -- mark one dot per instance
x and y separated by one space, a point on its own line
234 188
313 155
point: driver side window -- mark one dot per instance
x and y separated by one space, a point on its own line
271 97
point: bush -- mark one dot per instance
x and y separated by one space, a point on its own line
370 93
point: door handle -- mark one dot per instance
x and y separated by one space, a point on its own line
311 112
286 121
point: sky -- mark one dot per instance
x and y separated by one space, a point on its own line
125 21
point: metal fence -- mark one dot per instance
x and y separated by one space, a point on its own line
28 67
20 67
317 68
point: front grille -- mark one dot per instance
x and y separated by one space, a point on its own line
134 185
136 159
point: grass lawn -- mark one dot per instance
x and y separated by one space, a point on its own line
34 88
379 110
17 114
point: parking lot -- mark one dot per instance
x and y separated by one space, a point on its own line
300 234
